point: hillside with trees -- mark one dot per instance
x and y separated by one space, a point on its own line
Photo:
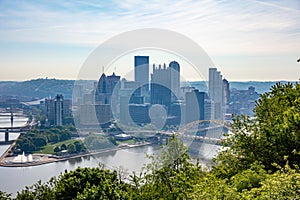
38 88
261 161
41 88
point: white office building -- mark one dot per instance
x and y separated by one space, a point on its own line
216 94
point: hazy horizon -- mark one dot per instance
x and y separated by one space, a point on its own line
53 78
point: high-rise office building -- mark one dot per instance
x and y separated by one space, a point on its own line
160 86
174 69
165 90
57 109
103 98
101 92
133 109
226 95
216 93
77 94
226 92
194 108
105 88
112 82
49 110
139 113
130 92
141 73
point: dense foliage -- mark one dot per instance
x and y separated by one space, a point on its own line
94 142
38 138
261 162
83 183
272 137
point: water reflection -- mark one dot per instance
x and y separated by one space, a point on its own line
75 161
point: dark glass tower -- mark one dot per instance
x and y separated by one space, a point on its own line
194 106
141 73
175 80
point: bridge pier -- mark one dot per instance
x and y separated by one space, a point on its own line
6 135
11 119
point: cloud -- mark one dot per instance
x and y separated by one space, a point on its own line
220 26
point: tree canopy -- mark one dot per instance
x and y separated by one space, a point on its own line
271 138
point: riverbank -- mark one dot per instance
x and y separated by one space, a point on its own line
41 159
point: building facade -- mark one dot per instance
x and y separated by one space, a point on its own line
194 108
57 109
141 73
243 101
174 69
105 88
216 94
161 86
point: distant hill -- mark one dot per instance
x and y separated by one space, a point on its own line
40 88
260 86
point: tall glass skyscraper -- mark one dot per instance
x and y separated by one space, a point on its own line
216 94
175 80
141 73
160 86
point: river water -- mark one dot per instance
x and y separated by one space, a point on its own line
15 179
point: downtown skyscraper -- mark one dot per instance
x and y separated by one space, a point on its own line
174 69
141 73
165 84
216 94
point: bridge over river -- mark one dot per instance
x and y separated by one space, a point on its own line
14 128
212 133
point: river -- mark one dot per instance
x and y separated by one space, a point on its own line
15 179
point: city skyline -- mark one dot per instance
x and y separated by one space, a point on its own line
256 40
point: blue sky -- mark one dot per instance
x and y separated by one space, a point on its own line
246 39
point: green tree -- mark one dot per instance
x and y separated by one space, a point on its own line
65 135
170 175
54 138
38 191
91 183
79 147
283 184
272 137
4 196
93 141
56 149
63 147
40 141
25 144
71 148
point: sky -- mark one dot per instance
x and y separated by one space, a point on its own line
247 39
